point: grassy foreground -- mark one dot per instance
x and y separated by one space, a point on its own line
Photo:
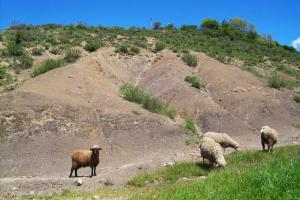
249 175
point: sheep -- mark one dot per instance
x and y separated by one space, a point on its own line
85 158
269 136
223 139
212 151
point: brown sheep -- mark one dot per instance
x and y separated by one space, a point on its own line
269 137
85 158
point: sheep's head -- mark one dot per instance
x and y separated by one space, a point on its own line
236 146
264 128
95 149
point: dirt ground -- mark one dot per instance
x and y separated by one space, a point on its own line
79 105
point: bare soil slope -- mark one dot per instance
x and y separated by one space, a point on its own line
79 105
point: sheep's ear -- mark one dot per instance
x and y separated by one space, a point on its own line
91 149
100 148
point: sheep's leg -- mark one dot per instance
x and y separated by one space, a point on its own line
95 171
262 143
269 148
92 171
76 173
71 173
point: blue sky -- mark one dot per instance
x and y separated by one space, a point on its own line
278 17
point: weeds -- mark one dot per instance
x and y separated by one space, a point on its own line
148 101
47 66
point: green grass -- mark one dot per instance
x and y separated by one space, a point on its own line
195 81
158 47
189 124
148 101
249 175
37 51
169 175
122 49
5 77
46 66
92 45
274 81
72 55
190 59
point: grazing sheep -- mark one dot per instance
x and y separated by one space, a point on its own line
85 158
269 137
223 139
212 151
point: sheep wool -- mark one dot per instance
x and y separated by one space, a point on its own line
212 151
269 137
85 158
223 139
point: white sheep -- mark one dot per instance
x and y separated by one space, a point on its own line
85 158
223 139
212 151
269 137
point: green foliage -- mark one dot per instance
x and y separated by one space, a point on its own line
92 45
156 25
188 27
123 49
189 124
5 77
158 47
195 81
46 66
169 174
37 51
134 50
72 55
296 125
274 81
209 24
297 98
190 59
15 50
25 61
56 51
149 102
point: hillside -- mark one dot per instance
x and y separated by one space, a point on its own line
61 90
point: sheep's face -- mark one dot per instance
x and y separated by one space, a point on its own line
95 150
263 129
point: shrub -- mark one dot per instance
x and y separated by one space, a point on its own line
156 25
122 49
188 27
26 61
158 47
209 24
190 59
55 51
92 45
149 102
37 51
194 81
72 55
47 66
297 98
189 124
274 81
15 50
5 77
134 50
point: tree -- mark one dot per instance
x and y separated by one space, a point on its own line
188 27
210 24
170 26
156 25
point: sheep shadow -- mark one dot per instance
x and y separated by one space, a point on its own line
205 166
82 176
